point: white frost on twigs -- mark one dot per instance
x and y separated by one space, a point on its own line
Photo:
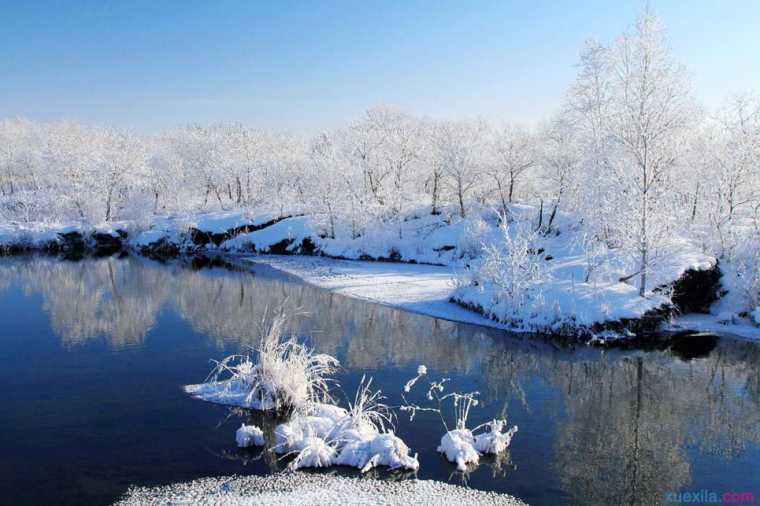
421 371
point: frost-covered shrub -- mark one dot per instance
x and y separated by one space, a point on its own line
510 273
249 435
746 261
322 435
281 374
472 241
461 445
515 265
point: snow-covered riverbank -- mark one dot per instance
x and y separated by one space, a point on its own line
431 262
424 289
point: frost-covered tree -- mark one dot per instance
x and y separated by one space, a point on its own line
653 109
560 158
733 196
326 187
637 106
119 167
163 175
513 155
459 149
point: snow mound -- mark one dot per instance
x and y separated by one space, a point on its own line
249 435
32 235
327 435
367 452
312 489
230 392
220 222
293 230
495 440
459 447
463 448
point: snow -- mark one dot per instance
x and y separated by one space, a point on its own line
33 235
325 435
282 374
737 327
723 317
447 254
149 237
220 222
368 451
418 288
286 374
249 435
464 448
459 447
495 440
232 392
295 229
289 488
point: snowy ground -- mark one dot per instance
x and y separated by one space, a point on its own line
423 289
426 289
307 489
712 323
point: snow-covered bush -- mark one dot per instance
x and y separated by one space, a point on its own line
514 266
323 435
509 274
746 261
460 444
475 233
249 435
282 374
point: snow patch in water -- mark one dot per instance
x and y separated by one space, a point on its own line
312 489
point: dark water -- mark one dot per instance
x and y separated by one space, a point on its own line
93 355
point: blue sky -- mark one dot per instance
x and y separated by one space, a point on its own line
306 65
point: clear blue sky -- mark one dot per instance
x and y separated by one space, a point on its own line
306 65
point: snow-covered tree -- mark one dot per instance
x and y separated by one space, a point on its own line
636 103
459 149
514 154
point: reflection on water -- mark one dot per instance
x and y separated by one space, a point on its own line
596 426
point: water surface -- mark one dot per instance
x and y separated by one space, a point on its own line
94 352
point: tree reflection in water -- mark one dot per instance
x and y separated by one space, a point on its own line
624 421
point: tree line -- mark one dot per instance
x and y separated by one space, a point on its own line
631 153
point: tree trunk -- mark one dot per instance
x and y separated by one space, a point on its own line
218 197
694 205
644 247
554 210
108 204
460 195
500 187
205 198
435 193
540 216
